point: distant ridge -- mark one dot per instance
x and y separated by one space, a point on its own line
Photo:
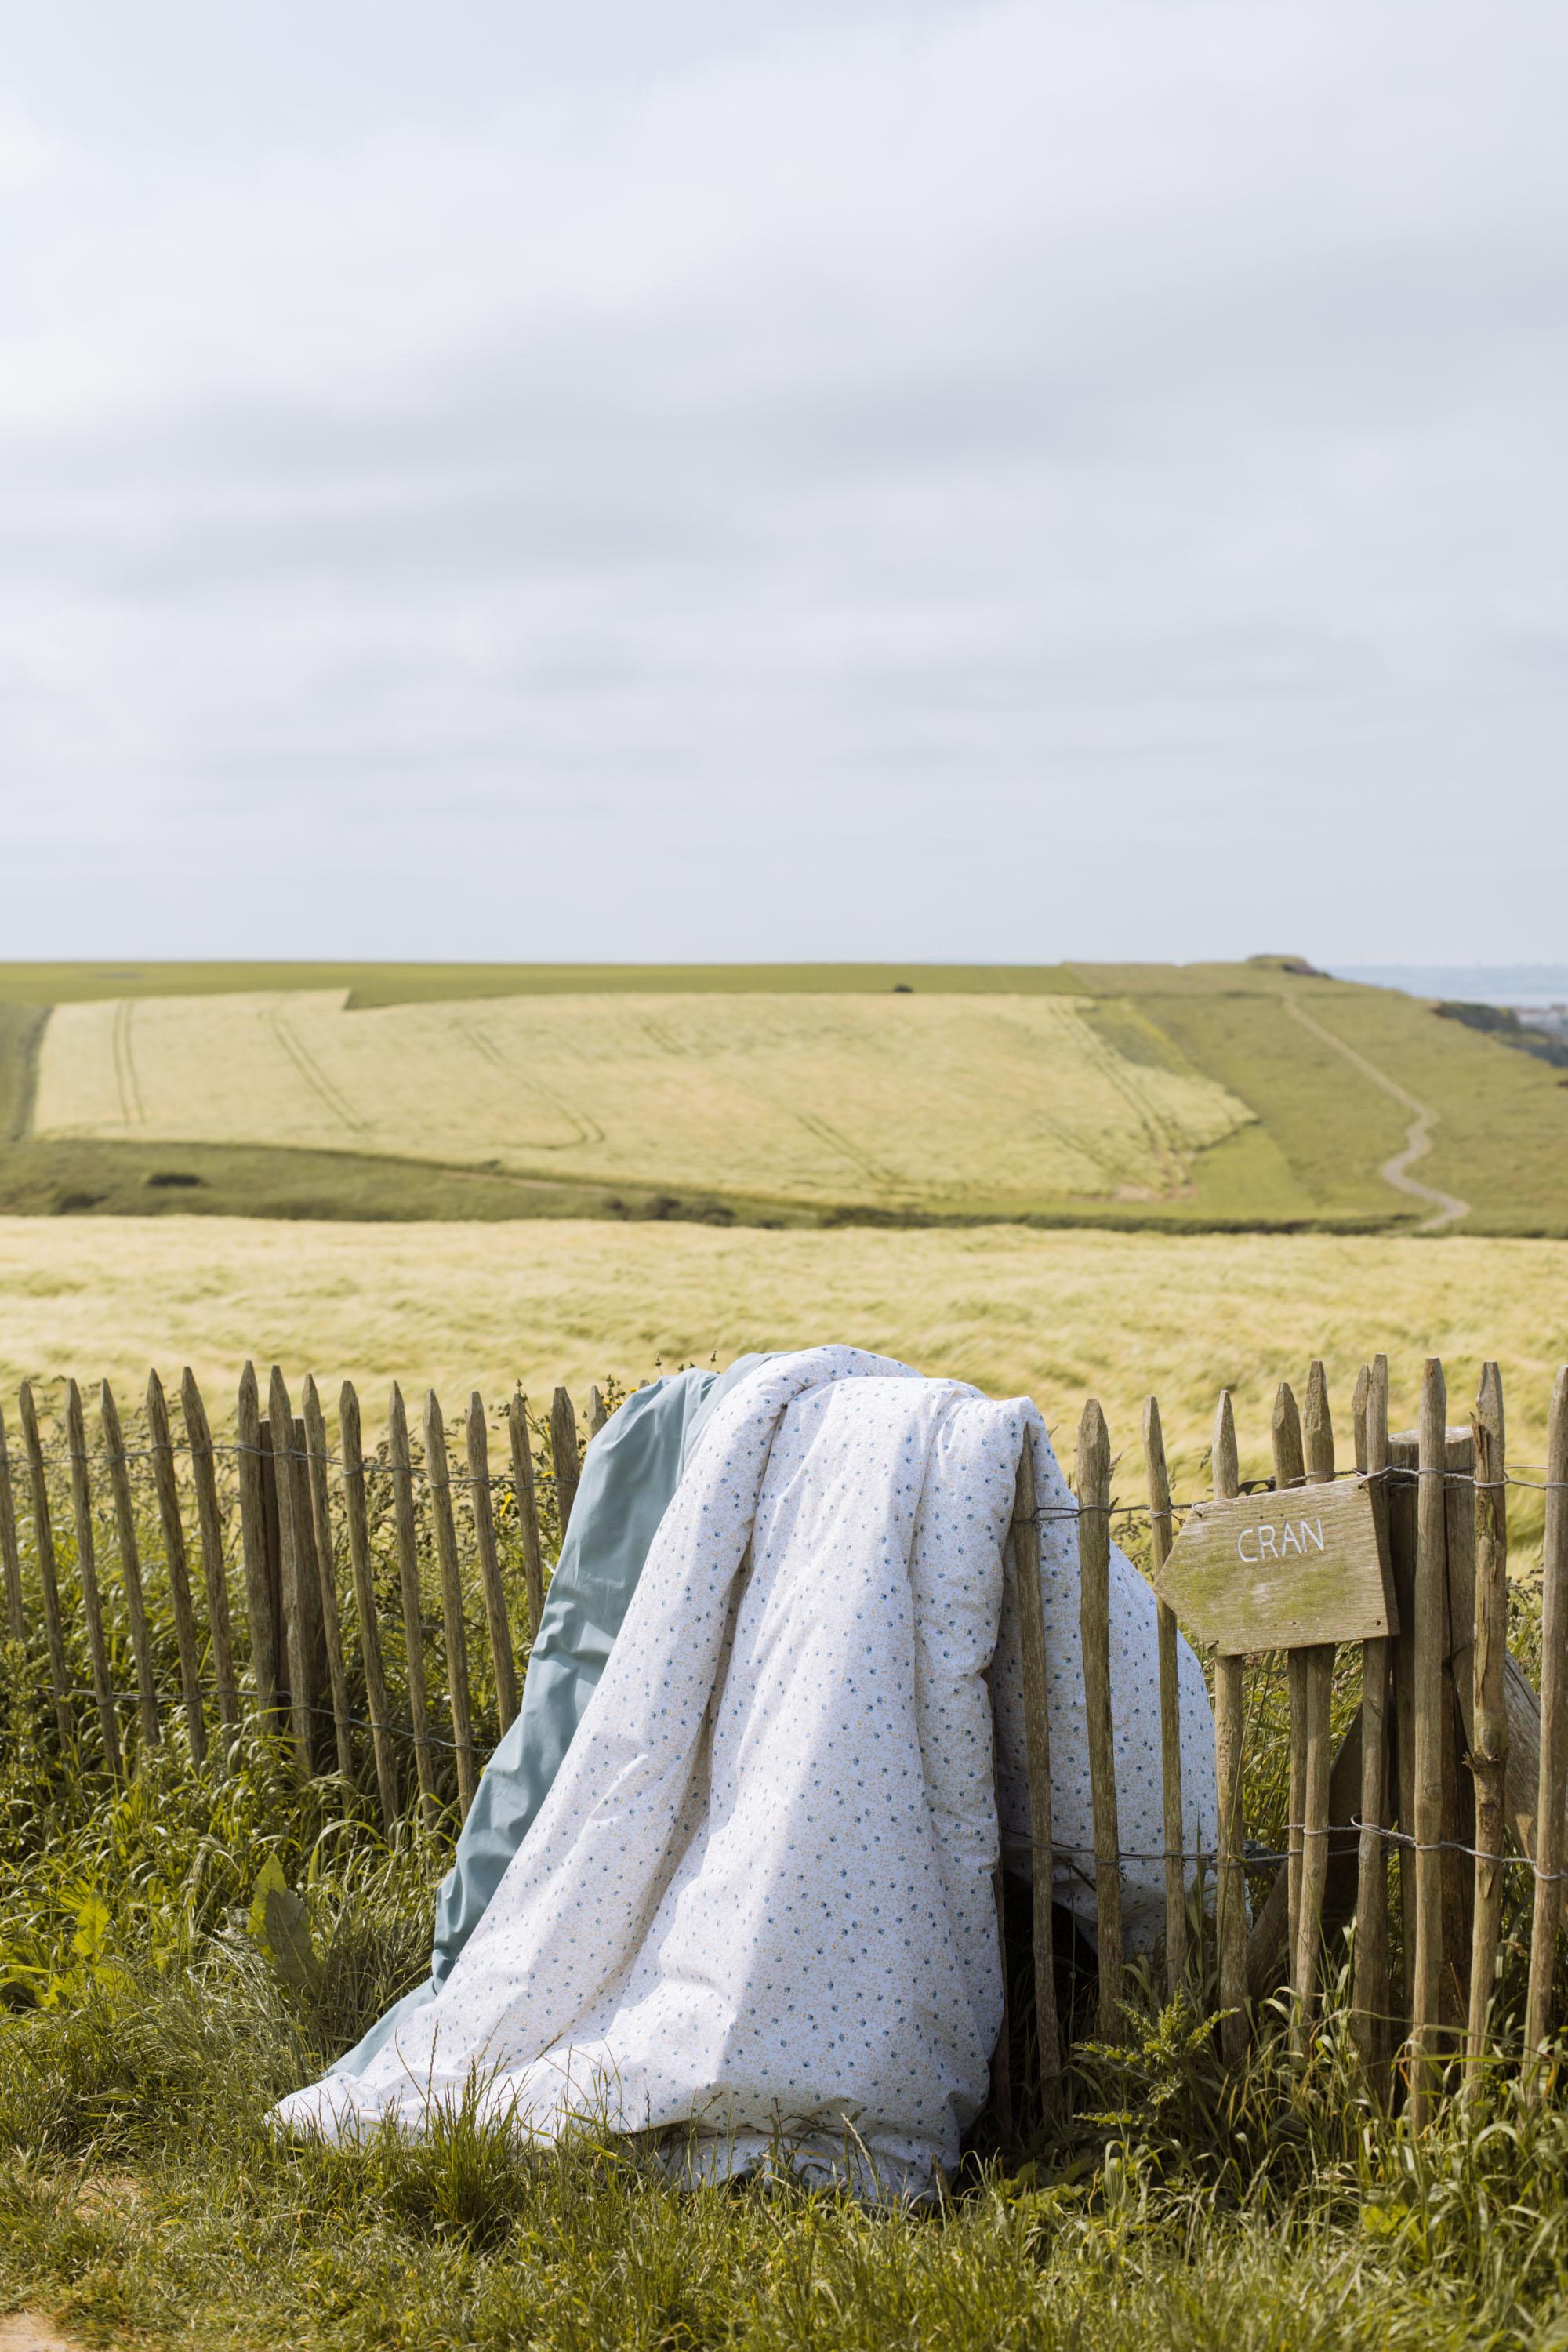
1472 983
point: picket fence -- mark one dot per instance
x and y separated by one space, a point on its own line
1449 1757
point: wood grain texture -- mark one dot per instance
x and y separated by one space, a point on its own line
1230 1894
527 1509
1554 1737
1290 1470
598 1416
209 1522
175 1566
280 1417
1430 1647
10 1555
438 1479
1369 1996
352 1457
1037 1757
501 1659
86 1576
1317 1663
130 1565
1487 1729
1094 1624
253 1538
406 1534
49 1578
563 1455
1272 1572
315 1422
1159 1484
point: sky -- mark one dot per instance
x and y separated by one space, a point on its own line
710 478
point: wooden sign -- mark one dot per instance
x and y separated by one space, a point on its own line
1283 1572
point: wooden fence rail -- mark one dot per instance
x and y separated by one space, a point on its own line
1448 1759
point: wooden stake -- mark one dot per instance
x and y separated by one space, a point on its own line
175 1560
10 1554
87 1571
1169 1708
408 1572
253 1534
130 1565
1549 1846
209 1520
1230 1875
1290 1470
280 1413
564 1456
1430 1645
1358 1415
1319 1664
1037 1757
527 1510
1371 1970
489 1566
1488 1720
47 1578
598 1416
326 1571
364 1602
438 1479
1094 1621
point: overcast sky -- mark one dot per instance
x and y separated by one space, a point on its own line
745 480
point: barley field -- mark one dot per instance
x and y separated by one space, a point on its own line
1055 1315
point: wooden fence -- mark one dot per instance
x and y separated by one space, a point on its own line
1450 1761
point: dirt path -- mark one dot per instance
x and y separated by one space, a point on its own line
24 2331
1417 1135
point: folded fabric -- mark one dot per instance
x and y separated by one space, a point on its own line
755 1911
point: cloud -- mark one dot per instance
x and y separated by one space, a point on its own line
1008 481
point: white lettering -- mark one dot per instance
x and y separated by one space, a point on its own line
1267 1545
1251 1558
1289 1542
1315 1532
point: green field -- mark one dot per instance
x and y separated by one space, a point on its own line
1209 1096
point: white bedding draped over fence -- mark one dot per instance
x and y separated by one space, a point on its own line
758 1900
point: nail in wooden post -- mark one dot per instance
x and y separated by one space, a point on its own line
326 1575
1488 1742
1318 1437
1369 1994
527 1510
87 1571
1037 1757
1554 1737
489 1565
130 1565
264 1661
175 1560
280 1413
1169 1708
598 1416
209 1519
563 1455
10 1553
1431 1627
1094 1621
408 1572
438 1479
354 1516
49 1580
1290 1470
1230 1894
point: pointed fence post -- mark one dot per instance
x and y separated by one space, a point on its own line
1038 1761
563 1455
354 1516
174 1559
1488 1744
1170 1708
1230 1874
527 1510
438 1479
86 1572
1370 1993
49 1580
1290 1470
280 1414
130 1564
9 1553
1549 1847
1317 1661
1094 1622
408 1572
326 1578
598 1416
264 1660
209 1519
478 1440
1430 1642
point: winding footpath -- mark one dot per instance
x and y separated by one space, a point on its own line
1417 1135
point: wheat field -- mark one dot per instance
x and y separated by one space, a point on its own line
1057 1316
901 1101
